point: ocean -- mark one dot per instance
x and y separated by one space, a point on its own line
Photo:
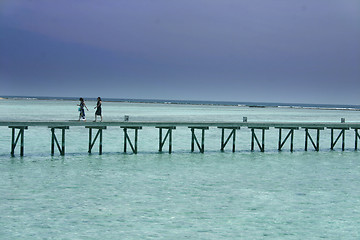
183 195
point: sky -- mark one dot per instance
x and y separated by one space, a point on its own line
287 51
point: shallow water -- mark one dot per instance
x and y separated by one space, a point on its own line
215 195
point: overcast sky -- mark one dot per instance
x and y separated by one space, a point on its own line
297 51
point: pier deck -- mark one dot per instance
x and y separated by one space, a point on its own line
184 124
127 127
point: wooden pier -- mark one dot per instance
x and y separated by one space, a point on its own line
257 129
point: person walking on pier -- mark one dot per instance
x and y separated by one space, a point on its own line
81 109
98 109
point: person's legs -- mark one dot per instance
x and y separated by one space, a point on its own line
82 115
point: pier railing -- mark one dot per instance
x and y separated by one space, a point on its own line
257 139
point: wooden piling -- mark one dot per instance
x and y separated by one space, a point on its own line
98 134
14 142
167 135
357 136
341 134
232 134
254 137
308 136
195 140
134 147
55 140
290 134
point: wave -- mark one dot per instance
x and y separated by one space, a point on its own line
201 102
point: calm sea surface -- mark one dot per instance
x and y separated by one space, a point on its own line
215 195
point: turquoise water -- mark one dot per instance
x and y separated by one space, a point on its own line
215 195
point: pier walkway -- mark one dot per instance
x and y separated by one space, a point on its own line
228 132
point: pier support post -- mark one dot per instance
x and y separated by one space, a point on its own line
290 134
14 142
127 139
167 135
308 136
254 137
357 136
98 134
195 140
55 140
341 134
232 134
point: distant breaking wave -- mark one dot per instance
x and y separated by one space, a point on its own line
199 102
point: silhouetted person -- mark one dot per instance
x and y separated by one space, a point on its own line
98 109
81 109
